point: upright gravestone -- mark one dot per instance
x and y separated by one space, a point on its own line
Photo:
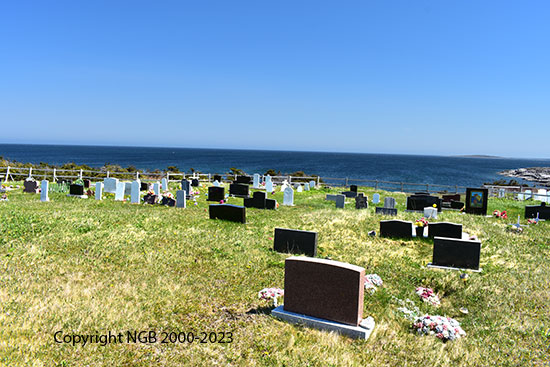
216 178
156 189
30 187
306 186
228 212
119 192
340 201
268 184
288 196
216 193
98 190
312 184
501 193
420 201
445 229
164 182
389 203
243 179
143 186
135 197
353 188
396 229
44 191
476 200
186 186
361 202
299 188
256 181
453 253
326 295
110 185
295 242
542 211
239 190
195 182
376 198
181 199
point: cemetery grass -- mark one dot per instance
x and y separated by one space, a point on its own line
89 267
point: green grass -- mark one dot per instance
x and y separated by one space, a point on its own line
87 267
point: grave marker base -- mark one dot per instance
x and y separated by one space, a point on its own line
356 332
430 265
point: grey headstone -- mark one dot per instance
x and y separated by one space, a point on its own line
127 188
110 185
156 189
288 196
312 184
98 190
44 191
299 188
181 200
119 192
340 201
256 181
135 193
268 185
306 186
164 184
389 202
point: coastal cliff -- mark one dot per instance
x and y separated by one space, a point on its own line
540 175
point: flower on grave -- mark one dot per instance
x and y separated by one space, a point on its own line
499 214
221 201
271 294
277 205
428 295
444 328
372 281
435 205
422 222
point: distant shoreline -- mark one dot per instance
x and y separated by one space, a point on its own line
540 175
479 156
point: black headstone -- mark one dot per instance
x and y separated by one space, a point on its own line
361 202
144 186
228 212
349 194
420 201
243 179
353 188
457 204
448 198
168 201
270 204
239 190
386 211
456 253
30 186
396 228
186 186
195 182
150 199
532 210
218 178
76 190
295 242
87 183
216 193
476 200
445 229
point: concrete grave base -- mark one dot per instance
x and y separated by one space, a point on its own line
78 196
362 331
450 268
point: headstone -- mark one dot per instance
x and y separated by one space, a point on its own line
143 186
420 201
476 200
396 228
306 186
288 196
430 213
450 197
156 189
271 204
87 183
30 187
216 193
312 184
76 190
326 289
216 184
228 212
361 202
181 199
127 188
389 203
269 185
186 186
456 253
256 201
216 178
44 191
386 211
256 181
457 205
353 188
195 182
376 198
239 190
267 179
299 188
340 201
541 195
501 193
542 210
119 192
110 185
168 201
295 241
164 182
445 229
243 179
349 194
135 197
98 190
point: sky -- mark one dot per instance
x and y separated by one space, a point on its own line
412 77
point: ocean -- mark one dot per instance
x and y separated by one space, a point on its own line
441 170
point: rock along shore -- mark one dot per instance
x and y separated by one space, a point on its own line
540 175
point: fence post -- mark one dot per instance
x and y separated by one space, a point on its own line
54 175
346 181
376 185
456 189
137 175
30 172
167 177
7 174
209 178
402 187
428 188
318 180
80 174
107 174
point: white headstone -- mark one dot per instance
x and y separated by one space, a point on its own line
312 184
181 200
268 185
430 213
375 198
44 191
215 183
256 181
98 190
267 179
542 195
528 194
119 192
340 201
135 194
389 203
288 196
306 186
501 193
156 189
164 184
110 185
299 189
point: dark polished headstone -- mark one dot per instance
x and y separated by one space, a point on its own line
386 211
532 210
243 180
361 202
87 183
76 190
325 289
476 200
396 228
218 178
143 186
420 201
353 188
233 213
150 199
186 186
448 198
295 242
168 201
456 253
445 229
457 205
349 194
216 193
195 182
239 190
30 187
270 204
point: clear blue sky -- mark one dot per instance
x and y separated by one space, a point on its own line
429 77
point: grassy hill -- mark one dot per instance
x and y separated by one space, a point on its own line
90 267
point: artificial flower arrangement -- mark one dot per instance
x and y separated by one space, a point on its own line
428 295
500 214
533 221
271 294
4 197
422 222
372 281
444 328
